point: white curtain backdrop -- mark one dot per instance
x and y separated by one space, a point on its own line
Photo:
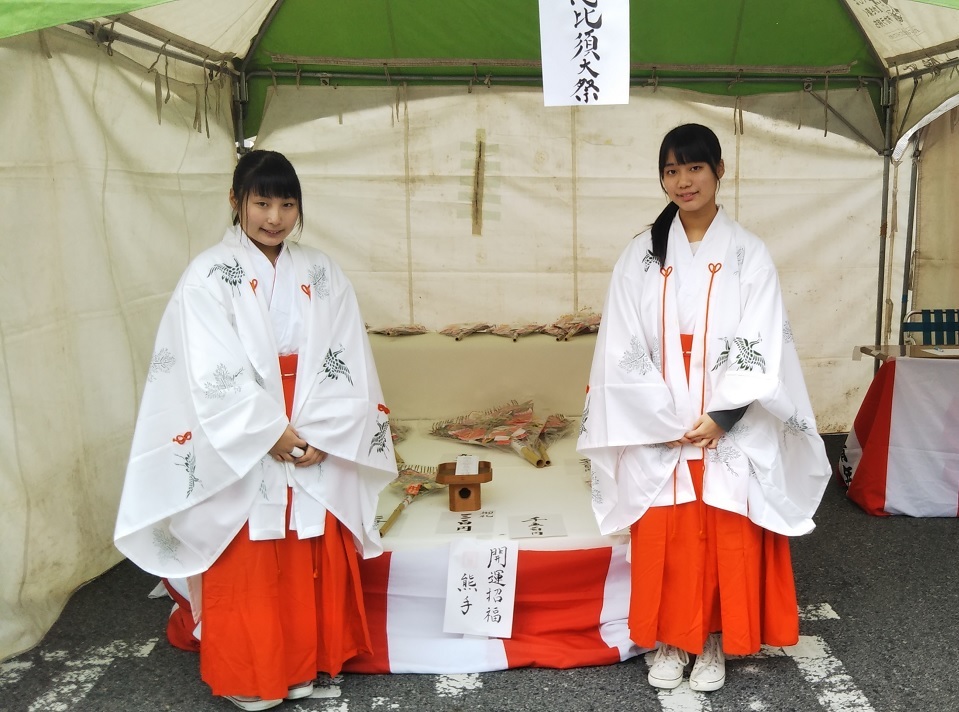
446 206
102 209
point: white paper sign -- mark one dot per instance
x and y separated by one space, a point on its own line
585 50
481 588
536 526
467 523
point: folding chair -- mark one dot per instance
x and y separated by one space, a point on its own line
931 327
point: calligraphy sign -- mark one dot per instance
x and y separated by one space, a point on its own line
481 588
585 51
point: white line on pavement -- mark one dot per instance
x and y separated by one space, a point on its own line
71 686
456 685
818 612
12 671
831 683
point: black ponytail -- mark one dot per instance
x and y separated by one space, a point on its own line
660 231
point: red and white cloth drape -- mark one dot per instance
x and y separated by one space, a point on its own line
902 455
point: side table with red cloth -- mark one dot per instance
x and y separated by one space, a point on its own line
902 454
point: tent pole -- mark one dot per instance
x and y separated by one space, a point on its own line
240 98
884 221
907 266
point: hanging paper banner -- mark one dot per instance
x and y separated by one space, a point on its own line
481 588
585 50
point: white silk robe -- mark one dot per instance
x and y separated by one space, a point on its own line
771 466
213 406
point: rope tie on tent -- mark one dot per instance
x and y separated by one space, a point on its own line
475 78
738 117
386 70
653 80
806 89
107 30
299 73
488 81
207 77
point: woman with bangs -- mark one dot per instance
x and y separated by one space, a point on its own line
260 449
699 429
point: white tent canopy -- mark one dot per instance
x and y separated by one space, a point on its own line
116 163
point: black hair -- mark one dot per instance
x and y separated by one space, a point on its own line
268 174
689 143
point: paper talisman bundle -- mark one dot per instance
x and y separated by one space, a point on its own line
415 481
512 426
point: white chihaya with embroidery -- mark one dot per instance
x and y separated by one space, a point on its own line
217 385
742 355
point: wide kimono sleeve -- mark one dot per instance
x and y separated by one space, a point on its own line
630 411
787 465
339 405
205 423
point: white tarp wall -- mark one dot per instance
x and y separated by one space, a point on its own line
102 209
935 264
105 207
390 179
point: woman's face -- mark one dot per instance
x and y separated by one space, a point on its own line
692 186
268 221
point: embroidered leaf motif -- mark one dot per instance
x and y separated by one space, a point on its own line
163 361
223 381
649 259
796 425
320 281
740 256
334 367
189 464
787 332
263 492
231 274
582 424
636 358
725 452
380 437
747 358
166 545
723 355
654 354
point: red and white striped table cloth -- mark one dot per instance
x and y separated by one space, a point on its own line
902 455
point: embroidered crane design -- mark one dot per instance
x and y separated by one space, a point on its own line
189 464
378 442
231 274
723 355
747 358
787 332
334 366
582 424
649 259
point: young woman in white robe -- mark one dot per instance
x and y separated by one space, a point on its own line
699 430
260 449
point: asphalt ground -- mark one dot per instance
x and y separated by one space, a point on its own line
879 631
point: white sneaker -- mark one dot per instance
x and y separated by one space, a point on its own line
709 672
668 666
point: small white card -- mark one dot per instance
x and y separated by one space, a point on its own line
536 526
469 523
481 588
